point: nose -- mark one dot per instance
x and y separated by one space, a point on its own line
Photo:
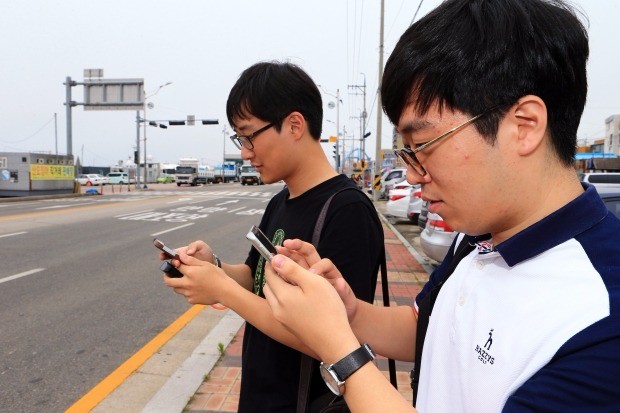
246 154
415 178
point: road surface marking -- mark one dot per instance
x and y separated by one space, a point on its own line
118 376
171 229
15 233
20 275
132 213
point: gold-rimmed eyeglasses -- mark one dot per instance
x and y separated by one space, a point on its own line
408 155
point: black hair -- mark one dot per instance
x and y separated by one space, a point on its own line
270 91
472 55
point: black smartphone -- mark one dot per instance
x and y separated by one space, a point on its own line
170 253
171 270
261 243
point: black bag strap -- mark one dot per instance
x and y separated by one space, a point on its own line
425 307
307 362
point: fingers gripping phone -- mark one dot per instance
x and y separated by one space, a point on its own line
261 243
170 252
166 266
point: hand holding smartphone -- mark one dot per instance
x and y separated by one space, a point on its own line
261 243
171 270
171 253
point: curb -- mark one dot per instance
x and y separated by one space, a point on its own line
182 385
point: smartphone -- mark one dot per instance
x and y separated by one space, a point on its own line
171 270
261 243
170 253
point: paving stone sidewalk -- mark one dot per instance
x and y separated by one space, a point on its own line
406 276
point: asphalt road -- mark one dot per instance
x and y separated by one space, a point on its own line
80 288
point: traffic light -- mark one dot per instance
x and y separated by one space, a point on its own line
136 157
324 140
176 122
336 155
210 121
367 134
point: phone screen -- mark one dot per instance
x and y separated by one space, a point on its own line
171 253
261 243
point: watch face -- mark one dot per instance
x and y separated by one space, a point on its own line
330 379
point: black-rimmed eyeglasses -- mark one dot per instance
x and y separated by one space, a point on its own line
241 141
408 155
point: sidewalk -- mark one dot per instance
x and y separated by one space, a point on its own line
220 390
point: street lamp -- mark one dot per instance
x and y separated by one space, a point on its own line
331 106
150 105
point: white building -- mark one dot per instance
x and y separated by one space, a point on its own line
612 134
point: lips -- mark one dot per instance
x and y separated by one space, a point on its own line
434 206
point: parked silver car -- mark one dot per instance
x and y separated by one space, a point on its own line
436 238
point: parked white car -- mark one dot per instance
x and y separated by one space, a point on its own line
91 179
404 200
398 202
436 238
415 204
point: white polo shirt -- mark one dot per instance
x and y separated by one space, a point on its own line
532 326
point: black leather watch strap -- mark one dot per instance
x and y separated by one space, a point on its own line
351 363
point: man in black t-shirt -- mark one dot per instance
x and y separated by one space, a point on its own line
276 111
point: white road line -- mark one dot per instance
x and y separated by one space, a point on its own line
132 213
15 233
235 210
66 206
23 274
180 200
171 229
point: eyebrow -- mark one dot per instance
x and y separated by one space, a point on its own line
414 126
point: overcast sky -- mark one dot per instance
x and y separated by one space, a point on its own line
201 47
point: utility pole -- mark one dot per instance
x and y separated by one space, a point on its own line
375 194
363 115
137 152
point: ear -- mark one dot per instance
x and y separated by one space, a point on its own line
530 117
296 125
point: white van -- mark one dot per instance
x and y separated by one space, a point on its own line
600 177
119 178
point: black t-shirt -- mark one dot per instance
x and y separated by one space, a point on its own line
352 237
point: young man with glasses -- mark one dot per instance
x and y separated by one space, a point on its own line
276 112
487 96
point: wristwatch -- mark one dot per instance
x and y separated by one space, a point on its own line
216 260
335 374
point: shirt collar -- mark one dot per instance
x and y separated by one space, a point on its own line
579 215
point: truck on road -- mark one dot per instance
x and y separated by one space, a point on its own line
228 172
249 175
187 172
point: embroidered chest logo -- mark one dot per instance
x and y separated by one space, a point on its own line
484 352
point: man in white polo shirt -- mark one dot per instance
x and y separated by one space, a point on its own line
487 96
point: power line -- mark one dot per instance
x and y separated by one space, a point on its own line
416 12
25 139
